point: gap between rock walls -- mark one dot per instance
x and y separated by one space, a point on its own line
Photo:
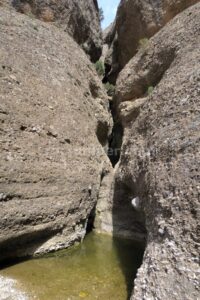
115 212
127 213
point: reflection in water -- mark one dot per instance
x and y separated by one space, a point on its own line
91 270
128 222
130 258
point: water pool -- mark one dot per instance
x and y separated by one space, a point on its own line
99 268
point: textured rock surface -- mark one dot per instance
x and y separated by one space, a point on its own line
80 18
53 113
10 291
160 156
137 20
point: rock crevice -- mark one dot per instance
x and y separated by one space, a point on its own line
157 100
136 22
56 179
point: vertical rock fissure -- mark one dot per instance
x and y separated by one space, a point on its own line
116 138
90 221
115 211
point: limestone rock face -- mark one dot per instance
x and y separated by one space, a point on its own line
160 156
137 21
80 18
53 117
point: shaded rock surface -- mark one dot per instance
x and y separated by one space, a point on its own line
160 156
51 108
115 214
80 18
137 21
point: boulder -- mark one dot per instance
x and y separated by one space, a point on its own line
54 127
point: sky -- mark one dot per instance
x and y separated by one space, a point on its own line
109 8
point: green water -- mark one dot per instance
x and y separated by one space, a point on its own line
100 268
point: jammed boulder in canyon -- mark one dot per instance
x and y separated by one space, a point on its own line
160 155
54 126
80 18
135 23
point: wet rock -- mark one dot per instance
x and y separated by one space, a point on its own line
10 291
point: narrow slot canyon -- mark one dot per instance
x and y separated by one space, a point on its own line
99 143
100 253
126 219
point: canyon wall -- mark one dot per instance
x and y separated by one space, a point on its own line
79 18
158 96
136 21
152 195
54 127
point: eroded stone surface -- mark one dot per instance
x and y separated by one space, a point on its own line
160 156
136 22
80 18
51 106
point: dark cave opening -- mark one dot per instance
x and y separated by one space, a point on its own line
107 70
115 143
90 221
116 137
